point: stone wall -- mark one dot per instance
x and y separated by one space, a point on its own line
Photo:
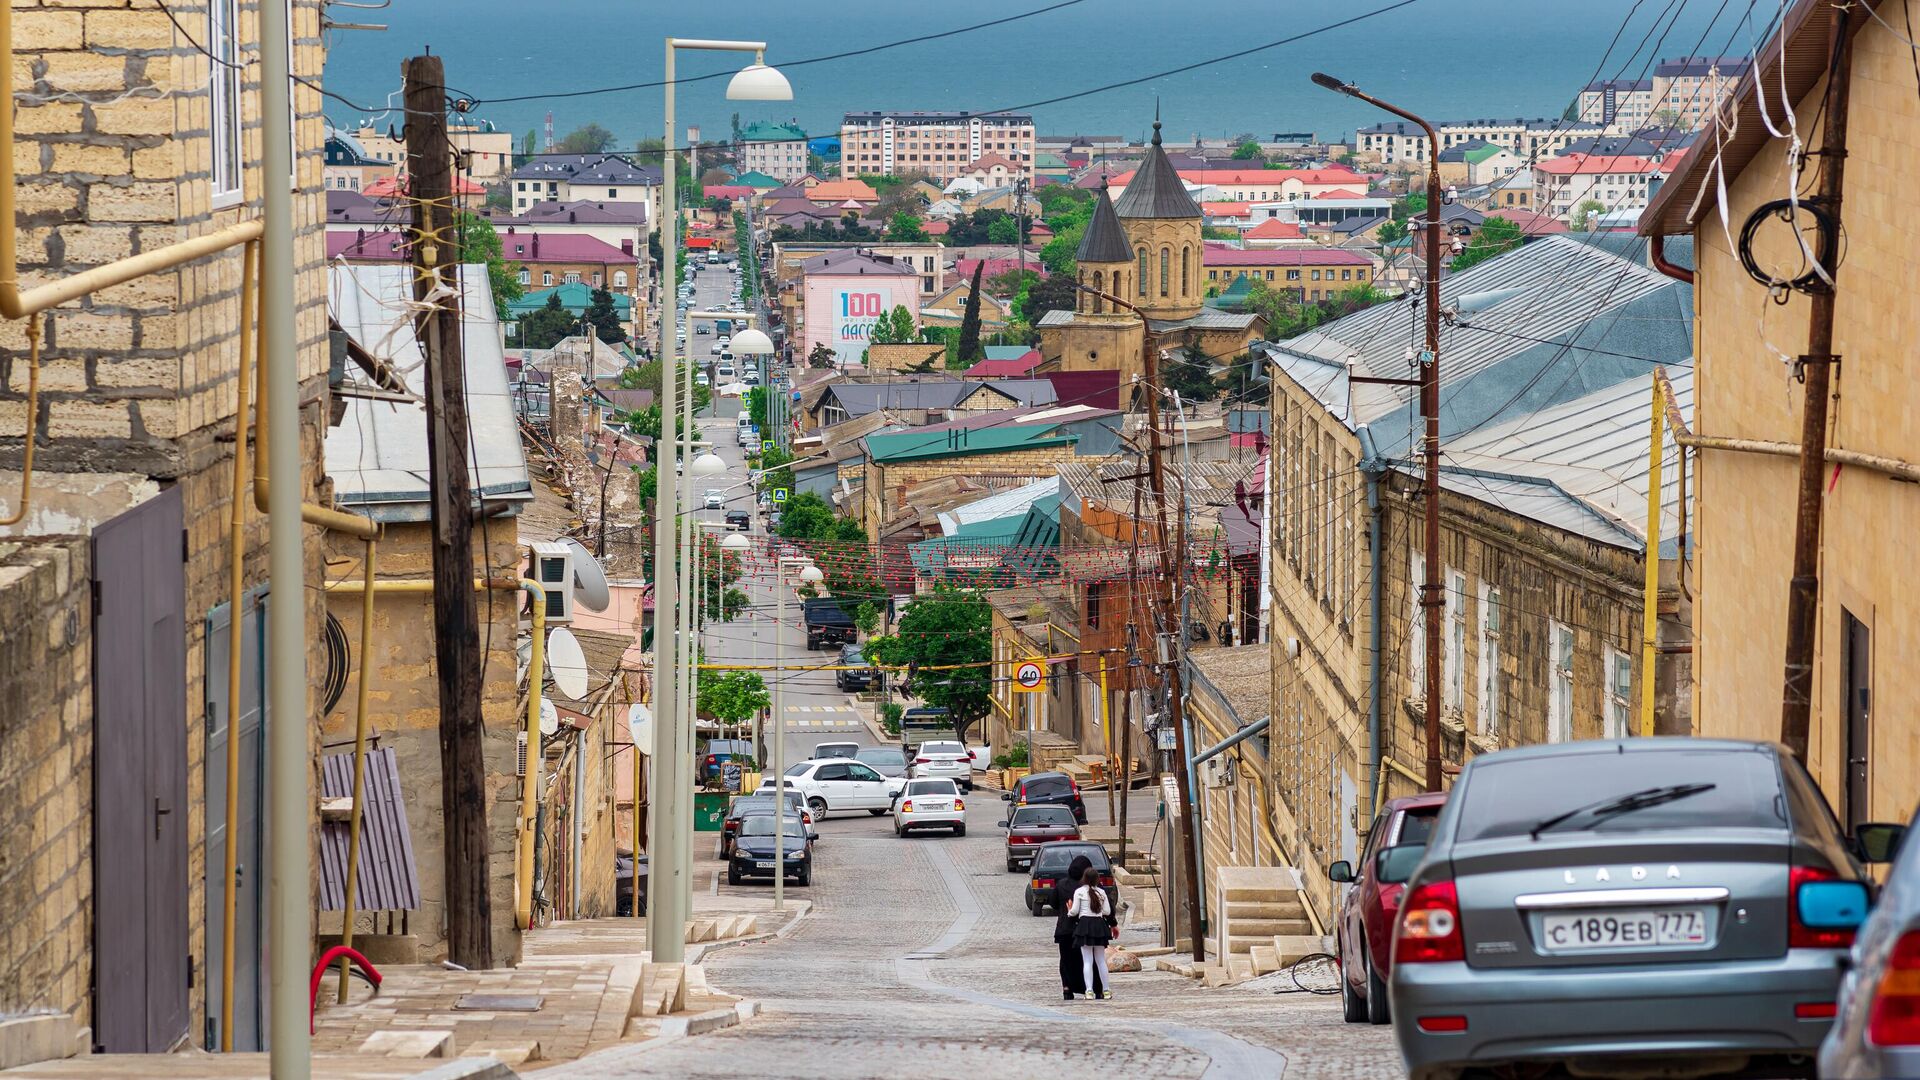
46 834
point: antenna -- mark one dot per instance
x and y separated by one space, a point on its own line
567 663
589 581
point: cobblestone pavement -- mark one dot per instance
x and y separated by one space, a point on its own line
919 958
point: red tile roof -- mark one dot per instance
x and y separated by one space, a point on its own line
988 161
842 190
1227 209
1237 177
1595 164
936 228
388 187
1341 193
730 191
995 267
1004 369
1275 229
1309 256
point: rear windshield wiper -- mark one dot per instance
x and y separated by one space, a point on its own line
1622 804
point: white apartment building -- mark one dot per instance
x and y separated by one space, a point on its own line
940 144
779 150
1626 104
489 152
1400 142
1617 182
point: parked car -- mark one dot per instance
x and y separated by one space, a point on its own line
1048 789
720 752
754 855
925 723
854 675
759 802
1051 861
826 622
1876 1027
1363 936
888 761
837 785
739 520
835 750
715 351
1028 827
930 804
715 499
949 759
1675 900
700 379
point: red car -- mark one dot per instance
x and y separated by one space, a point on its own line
1364 936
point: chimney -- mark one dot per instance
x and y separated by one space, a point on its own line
570 217
626 247
536 245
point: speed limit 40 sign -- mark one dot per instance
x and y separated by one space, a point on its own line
1030 676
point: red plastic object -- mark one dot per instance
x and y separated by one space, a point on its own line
326 961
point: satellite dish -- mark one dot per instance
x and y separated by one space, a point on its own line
589 581
640 723
549 717
567 663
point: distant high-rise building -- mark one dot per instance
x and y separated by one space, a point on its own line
778 150
1623 103
1686 90
940 144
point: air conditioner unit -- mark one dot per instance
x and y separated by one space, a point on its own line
1217 772
553 570
520 753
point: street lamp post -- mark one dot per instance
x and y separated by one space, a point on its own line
809 574
1432 599
671 843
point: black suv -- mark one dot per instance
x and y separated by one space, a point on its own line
1049 789
853 675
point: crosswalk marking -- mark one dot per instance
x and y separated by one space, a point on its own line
819 708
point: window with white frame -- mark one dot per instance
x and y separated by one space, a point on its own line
1559 683
223 45
1489 661
1417 627
1456 670
1619 694
619 279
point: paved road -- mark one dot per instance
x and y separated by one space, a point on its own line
920 960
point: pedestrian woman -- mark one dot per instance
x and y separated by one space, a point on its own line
1072 981
1093 924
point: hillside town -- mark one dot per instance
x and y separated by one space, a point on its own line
1404 601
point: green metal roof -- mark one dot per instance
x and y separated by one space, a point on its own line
756 179
1481 153
575 296
762 131
887 447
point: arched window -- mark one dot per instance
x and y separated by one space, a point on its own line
1166 269
1186 271
1095 299
1142 282
619 279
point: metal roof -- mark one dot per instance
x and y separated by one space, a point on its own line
1104 241
918 446
859 399
377 454
1000 504
1205 319
1538 500
1156 190
388 879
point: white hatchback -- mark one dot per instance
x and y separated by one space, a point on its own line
950 760
930 804
834 785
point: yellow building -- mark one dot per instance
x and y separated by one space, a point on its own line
1867 632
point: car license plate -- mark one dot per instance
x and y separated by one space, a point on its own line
763 864
939 806
1644 928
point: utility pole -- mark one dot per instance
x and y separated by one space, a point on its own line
1803 591
436 264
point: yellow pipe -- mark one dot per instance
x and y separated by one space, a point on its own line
1650 603
536 675
236 589
359 764
33 412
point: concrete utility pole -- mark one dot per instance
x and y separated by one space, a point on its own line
1803 591
434 253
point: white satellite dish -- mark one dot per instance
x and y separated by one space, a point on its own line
567 663
589 581
549 717
640 723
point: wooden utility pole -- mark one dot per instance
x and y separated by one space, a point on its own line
1132 669
435 256
1803 591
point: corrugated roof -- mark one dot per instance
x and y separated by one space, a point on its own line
1538 500
859 399
1156 191
1104 241
919 446
999 505
388 879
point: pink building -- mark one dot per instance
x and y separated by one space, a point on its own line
844 293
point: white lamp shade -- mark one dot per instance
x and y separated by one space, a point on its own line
751 342
811 574
708 464
734 542
758 82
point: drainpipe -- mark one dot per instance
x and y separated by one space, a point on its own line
1657 249
1370 467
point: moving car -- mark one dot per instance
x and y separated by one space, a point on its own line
930 804
925 724
753 852
888 761
835 750
739 520
853 674
703 328
720 752
760 802
715 499
1679 906
1052 861
1030 826
715 351
1048 789
1363 938
1876 1028
700 379
837 785
949 759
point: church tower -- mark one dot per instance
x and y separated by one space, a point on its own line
1162 226
1105 260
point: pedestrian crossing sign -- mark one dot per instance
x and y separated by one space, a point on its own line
779 495
768 446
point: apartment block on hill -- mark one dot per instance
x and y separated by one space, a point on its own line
941 144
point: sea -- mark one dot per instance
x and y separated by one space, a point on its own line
517 61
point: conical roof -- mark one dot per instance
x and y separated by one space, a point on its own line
1104 241
1155 190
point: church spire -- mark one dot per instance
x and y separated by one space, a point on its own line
1104 241
1155 190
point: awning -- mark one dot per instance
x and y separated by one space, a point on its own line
388 880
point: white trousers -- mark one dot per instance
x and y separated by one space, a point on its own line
1093 958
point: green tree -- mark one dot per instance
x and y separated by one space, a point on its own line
905 228
1390 230
588 139
733 697
806 516
650 152
775 473
1248 151
1497 236
1586 216
604 318
866 617
529 144
940 629
969 347
1003 230
547 326
479 243
821 357
1190 375
895 327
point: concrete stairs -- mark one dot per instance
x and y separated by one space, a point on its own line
1264 924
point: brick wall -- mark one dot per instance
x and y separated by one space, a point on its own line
46 835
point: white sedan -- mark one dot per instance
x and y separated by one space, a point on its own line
716 499
834 785
930 804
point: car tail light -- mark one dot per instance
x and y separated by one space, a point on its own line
1043 883
1814 1010
1023 840
959 804
922 760
1429 928
1442 1025
1800 935
1894 1018
970 756
907 807
1074 787
711 759
1107 880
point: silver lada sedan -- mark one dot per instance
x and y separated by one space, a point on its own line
1625 907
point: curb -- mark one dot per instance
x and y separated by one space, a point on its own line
702 1023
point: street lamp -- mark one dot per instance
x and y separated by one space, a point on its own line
809 574
671 841
1431 597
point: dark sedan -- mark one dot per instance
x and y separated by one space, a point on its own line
1051 863
759 803
753 850
1030 826
1048 789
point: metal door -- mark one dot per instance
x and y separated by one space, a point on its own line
249 968
1856 680
142 970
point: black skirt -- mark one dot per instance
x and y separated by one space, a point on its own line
1092 930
